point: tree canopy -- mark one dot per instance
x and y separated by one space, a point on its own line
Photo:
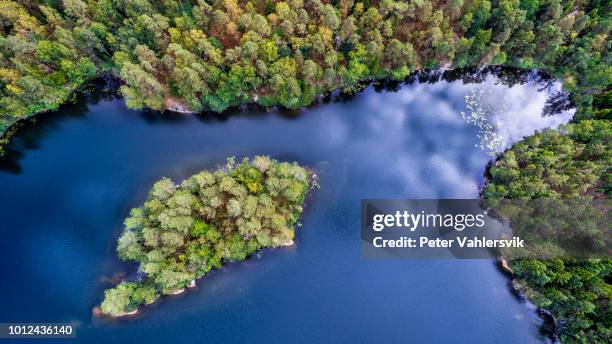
210 55
572 165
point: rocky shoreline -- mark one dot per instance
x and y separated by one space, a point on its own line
549 325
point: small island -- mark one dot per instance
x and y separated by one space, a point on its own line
184 231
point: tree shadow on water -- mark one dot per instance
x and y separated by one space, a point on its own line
27 135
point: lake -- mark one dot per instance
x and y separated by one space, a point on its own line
69 180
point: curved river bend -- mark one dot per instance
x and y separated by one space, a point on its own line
71 178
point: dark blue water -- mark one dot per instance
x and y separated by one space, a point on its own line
71 178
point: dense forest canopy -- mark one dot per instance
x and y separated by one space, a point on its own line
183 231
573 165
198 55
210 55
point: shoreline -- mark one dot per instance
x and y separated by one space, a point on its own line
504 266
172 105
97 312
549 324
288 243
177 292
134 312
110 80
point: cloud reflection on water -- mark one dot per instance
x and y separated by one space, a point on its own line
419 135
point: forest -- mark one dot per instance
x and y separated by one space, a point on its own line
184 231
572 165
210 55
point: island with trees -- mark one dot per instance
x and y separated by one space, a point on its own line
197 55
184 231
